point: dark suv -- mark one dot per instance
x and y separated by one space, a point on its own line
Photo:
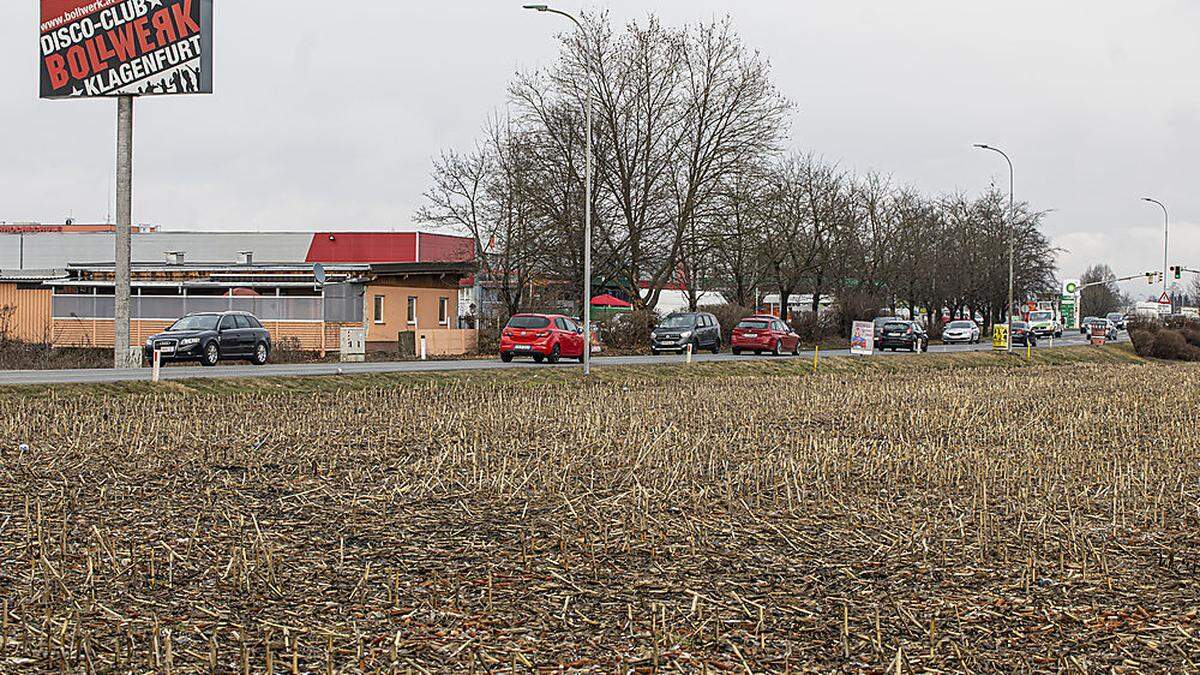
901 334
677 331
212 336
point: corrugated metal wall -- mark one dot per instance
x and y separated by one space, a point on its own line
26 313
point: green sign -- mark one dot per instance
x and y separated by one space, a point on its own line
1067 308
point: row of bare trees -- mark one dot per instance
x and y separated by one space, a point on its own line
692 187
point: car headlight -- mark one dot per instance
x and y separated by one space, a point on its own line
150 342
685 334
188 342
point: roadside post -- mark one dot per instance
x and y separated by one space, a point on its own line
689 353
424 353
816 358
156 366
94 50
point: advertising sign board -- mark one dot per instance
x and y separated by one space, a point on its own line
862 338
1000 337
100 48
1099 333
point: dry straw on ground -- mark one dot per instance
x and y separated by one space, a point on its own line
971 520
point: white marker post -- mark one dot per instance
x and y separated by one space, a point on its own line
157 365
424 354
689 352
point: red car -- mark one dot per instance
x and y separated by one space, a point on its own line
545 337
760 334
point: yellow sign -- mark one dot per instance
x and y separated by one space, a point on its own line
1000 337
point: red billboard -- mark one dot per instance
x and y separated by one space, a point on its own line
96 48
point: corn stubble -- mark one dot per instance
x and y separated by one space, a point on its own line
972 521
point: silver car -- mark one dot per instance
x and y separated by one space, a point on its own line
965 332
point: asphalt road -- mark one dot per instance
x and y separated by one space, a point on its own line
25 377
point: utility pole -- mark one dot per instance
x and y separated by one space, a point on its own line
124 233
1166 234
1012 237
587 206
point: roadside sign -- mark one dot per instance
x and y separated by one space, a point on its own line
862 338
1099 333
97 48
1000 337
1066 308
1165 306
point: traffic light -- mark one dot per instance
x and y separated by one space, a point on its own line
1150 277
1178 271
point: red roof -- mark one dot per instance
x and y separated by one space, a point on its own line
389 247
607 300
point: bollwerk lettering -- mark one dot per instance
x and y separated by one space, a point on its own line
157 62
135 33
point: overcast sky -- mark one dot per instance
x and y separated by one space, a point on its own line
327 117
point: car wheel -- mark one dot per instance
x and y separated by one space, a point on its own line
736 351
506 357
778 351
554 354
695 346
654 352
212 355
796 349
261 353
538 358
716 348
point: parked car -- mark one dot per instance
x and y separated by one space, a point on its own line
211 336
1083 325
1043 323
961 332
761 334
1023 335
674 333
545 337
902 334
1117 318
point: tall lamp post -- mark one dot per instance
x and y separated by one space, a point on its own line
1012 236
587 207
1166 232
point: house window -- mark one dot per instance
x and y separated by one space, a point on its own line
412 311
444 311
379 309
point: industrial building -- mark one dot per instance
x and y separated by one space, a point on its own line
53 289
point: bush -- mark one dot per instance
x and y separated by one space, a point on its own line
288 350
814 328
628 331
1178 340
728 316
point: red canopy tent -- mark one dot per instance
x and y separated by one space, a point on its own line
607 300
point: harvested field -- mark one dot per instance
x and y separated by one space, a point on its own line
974 520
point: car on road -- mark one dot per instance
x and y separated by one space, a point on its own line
1023 335
965 332
880 322
209 337
1043 323
675 332
1083 325
544 337
1117 319
762 334
903 334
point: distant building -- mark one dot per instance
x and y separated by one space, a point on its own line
387 283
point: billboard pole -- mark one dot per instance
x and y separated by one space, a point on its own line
124 234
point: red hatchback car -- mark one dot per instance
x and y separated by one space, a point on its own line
760 334
545 337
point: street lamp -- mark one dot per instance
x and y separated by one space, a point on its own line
1166 231
587 207
1012 235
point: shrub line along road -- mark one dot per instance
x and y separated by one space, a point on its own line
98 376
